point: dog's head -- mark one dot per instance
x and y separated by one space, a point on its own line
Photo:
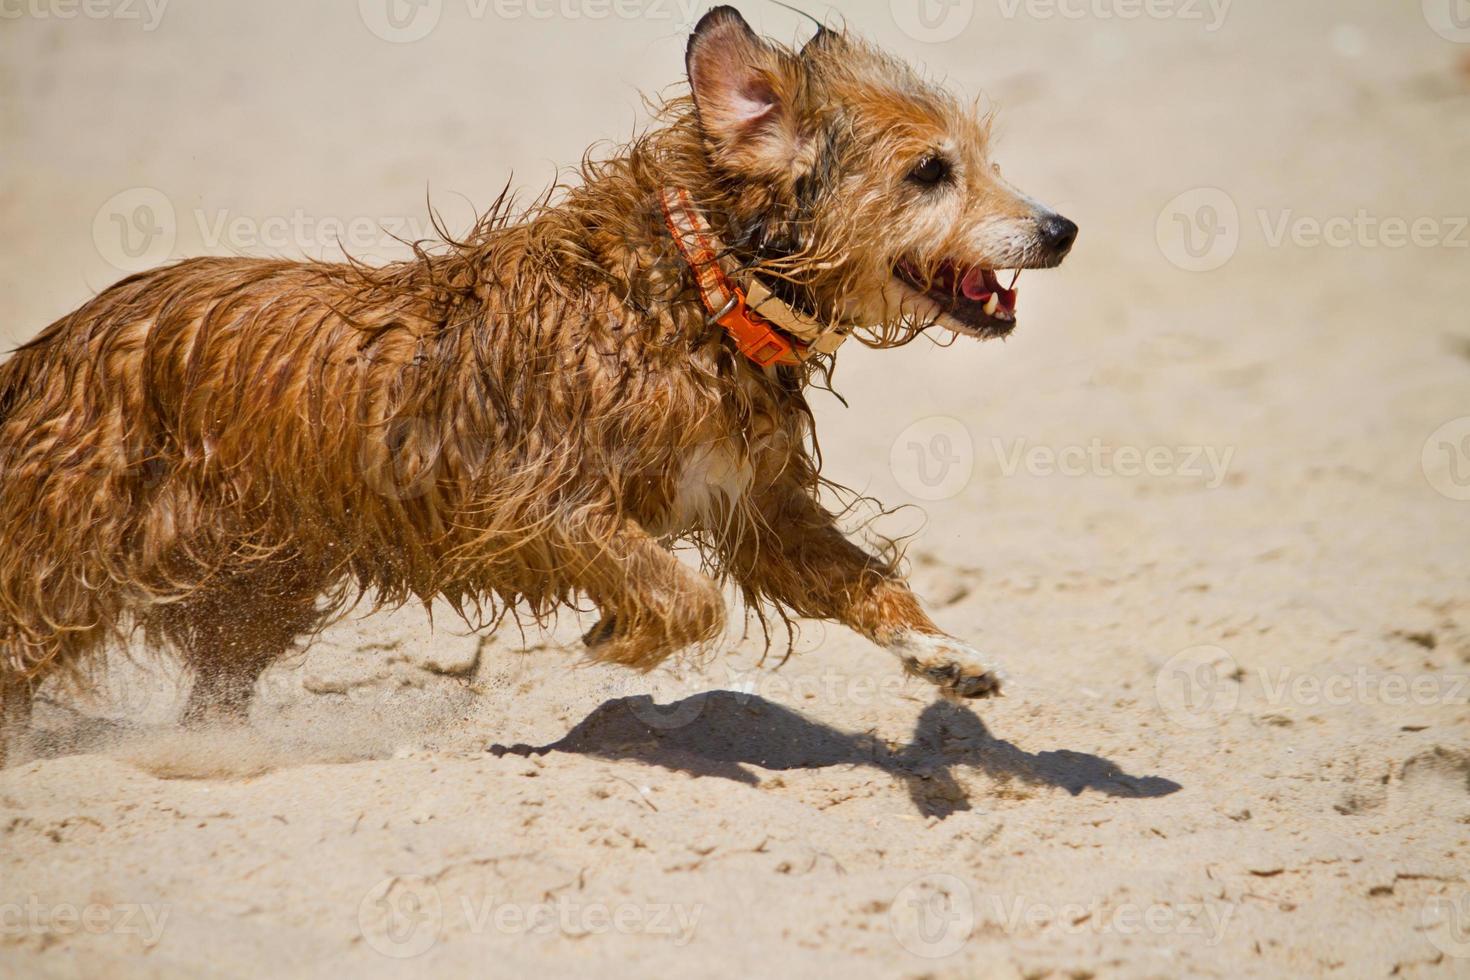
873 191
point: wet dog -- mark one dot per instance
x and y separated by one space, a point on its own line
228 453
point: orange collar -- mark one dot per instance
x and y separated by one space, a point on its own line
776 334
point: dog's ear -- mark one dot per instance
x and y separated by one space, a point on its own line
743 91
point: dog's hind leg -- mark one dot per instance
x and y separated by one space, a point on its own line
230 635
223 688
26 663
652 604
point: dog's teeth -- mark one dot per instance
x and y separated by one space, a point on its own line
992 304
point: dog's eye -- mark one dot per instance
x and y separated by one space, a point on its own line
930 171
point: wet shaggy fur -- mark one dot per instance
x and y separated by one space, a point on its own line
228 453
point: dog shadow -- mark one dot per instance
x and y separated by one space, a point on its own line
719 733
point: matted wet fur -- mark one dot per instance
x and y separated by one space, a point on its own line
228 453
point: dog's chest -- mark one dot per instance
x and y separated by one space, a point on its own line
711 483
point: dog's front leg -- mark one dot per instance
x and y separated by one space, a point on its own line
651 603
800 558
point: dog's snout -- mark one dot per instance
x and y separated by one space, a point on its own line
1058 234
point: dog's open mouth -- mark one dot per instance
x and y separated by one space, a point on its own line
971 297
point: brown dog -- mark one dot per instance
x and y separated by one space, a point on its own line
227 453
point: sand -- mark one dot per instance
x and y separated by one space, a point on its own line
1208 506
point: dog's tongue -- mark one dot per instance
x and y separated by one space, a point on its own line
975 285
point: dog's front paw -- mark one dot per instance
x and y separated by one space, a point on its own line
956 669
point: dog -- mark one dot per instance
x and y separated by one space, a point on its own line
227 454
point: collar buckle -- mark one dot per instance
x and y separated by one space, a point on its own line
755 337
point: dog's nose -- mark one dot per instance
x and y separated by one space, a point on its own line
1058 234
